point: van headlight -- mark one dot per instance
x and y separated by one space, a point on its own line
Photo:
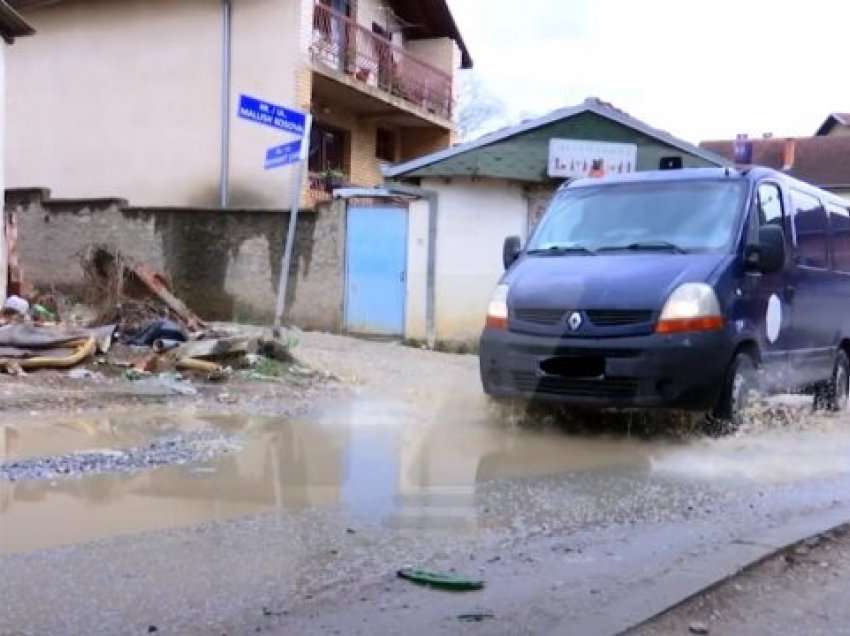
691 307
497 310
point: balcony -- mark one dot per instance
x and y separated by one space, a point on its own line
342 45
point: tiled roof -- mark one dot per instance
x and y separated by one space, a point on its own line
822 161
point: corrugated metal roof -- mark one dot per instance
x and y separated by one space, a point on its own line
590 105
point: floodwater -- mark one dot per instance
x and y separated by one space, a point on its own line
390 461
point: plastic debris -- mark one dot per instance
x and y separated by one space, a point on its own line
16 305
443 580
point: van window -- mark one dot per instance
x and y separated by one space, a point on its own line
692 215
770 204
810 226
839 221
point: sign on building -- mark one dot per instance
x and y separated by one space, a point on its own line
571 158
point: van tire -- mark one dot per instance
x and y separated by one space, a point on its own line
739 384
835 395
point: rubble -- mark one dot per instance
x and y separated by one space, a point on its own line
130 322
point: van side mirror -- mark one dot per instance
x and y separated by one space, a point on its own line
768 255
511 250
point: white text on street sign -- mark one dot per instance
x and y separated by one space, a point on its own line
271 115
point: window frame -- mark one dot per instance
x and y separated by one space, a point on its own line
827 230
846 209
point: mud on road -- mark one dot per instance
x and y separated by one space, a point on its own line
302 529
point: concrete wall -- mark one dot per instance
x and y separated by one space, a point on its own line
126 97
3 256
224 264
417 271
475 216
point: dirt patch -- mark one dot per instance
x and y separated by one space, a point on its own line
803 590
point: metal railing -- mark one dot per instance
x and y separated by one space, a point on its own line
343 45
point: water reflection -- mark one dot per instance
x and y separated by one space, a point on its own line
410 468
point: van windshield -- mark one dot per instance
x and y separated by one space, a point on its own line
665 216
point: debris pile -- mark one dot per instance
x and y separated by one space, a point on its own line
130 321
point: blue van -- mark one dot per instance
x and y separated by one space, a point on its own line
684 289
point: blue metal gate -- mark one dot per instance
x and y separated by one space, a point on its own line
376 272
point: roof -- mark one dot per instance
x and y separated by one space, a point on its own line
841 119
590 105
12 25
423 19
822 161
431 19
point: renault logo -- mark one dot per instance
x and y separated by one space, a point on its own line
574 321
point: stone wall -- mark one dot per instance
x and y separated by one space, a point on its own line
224 263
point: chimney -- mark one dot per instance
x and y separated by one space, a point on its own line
743 150
789 154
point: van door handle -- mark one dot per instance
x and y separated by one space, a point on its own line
790 290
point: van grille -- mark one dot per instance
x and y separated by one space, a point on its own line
599 317
539 316
618 317
604 388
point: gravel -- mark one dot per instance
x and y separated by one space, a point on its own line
198 446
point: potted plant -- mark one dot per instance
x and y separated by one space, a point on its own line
332 179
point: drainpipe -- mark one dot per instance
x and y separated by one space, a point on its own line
224 177
431 274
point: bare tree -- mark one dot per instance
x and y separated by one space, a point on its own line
478 110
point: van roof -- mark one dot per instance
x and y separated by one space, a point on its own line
747 173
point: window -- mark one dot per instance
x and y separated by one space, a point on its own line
770 204
693 215
670 163
810 227
328 147
385 146
839 222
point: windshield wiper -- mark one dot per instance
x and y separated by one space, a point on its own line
648 246
554 250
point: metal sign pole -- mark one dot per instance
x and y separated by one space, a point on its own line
286 262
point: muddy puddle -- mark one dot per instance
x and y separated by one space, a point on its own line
391 462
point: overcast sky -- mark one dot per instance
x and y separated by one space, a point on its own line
698 69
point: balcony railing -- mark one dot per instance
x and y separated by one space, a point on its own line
343 45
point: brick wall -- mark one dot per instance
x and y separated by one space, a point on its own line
224 264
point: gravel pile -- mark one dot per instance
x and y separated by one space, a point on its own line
183 449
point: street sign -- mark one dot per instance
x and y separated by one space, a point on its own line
283 155
268 114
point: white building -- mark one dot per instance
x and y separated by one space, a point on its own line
11 26
467 199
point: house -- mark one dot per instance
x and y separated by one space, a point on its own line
822 160
12 26
445 215
137 98
837 124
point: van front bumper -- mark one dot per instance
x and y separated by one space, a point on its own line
680 371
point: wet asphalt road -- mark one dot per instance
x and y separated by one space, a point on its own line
302 530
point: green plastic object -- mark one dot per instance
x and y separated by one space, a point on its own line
40 311
442 580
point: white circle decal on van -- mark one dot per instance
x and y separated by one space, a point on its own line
773 323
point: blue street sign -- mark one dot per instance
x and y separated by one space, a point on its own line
272 115
283 155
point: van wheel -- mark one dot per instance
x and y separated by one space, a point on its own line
835 396
740 383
